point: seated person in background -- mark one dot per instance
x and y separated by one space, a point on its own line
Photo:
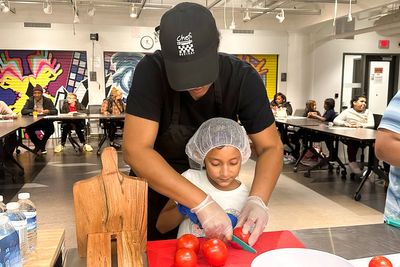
387 147
43 106
8 143
329 114
279 101
311 109
220 145
114 105
355 117
72 105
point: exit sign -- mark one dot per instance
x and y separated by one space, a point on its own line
383 43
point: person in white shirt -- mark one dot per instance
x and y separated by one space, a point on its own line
5 110
358 116
221 146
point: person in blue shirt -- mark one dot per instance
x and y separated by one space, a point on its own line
387 147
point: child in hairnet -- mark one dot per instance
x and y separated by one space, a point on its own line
219 147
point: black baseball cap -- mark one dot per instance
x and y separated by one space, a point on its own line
189 41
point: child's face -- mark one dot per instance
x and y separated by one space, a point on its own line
223 166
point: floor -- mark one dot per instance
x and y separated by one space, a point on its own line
297 202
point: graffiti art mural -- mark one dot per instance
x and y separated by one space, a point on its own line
118 69
120 66
267 67
58 72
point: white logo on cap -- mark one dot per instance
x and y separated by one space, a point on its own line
185 45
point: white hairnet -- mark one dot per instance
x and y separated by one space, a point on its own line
214 133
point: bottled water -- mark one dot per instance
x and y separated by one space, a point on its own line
18 220
28 208
2 207
9 244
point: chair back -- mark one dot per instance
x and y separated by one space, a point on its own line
110 202
377 120
299 112
94 109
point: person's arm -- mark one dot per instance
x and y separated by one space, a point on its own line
314 115
149 164
48 107
169 218
269 149
387 146
340 119
28 108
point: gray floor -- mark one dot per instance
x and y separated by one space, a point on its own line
50 178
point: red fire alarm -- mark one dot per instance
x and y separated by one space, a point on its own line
383 43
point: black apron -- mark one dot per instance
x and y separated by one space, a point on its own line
171 146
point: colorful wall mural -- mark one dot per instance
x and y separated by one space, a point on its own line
58 72
118 70
120 66
267 67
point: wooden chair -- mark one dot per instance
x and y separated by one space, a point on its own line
111 207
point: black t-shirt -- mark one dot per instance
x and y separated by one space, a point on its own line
243 96
329 115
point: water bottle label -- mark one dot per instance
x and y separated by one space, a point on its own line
9 251
31 220
20 227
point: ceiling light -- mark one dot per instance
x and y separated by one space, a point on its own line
349 17
5 6
91 10
76 18
232 26
280 16
133 13
246 16
47 7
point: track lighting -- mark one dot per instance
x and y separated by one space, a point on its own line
349 17
246 16
47 7
76 18
5 6
280 16
133 13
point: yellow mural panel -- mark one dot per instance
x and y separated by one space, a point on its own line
267 67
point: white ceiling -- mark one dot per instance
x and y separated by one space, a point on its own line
116 12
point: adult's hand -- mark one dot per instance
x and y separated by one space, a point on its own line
254 215
214 220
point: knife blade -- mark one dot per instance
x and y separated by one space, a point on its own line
243 244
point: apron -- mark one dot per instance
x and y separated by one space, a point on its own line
171 146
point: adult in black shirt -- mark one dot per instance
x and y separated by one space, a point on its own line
176 89
42 106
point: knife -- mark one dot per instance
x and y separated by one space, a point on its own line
243 244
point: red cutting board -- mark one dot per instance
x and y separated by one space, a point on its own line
162 253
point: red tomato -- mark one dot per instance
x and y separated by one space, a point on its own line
380 261
215 252
188 241
239 234
185 257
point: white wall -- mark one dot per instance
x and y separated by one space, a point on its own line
327 62
127 38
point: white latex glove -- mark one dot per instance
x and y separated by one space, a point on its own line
254 215
214 220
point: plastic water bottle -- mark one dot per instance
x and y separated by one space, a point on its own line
9 244
2 207
27 207
18 220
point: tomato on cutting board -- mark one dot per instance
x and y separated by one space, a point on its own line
188 241
185 257
215 252
380 261
239 234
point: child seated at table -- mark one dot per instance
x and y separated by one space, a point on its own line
220 146
72 105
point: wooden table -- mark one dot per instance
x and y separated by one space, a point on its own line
49 251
